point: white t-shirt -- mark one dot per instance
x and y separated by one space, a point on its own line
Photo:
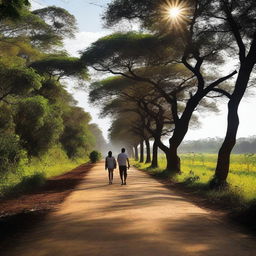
121 159
111 162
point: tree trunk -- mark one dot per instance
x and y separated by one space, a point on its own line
136 153
223 162
132 152
172 158
180 131
173 161
141 152
148 155
154 163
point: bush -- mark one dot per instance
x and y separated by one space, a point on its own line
11 153
29 183
95 156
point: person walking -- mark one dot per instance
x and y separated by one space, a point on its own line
122 159
110 165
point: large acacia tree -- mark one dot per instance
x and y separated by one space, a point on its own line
237 20
225 24
130 54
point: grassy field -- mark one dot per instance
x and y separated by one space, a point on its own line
198 169
34 173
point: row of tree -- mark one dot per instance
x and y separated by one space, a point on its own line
165 74
36 110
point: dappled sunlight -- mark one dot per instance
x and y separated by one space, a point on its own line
142 218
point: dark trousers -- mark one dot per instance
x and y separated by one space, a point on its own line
123 172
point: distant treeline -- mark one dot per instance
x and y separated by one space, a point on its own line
212 145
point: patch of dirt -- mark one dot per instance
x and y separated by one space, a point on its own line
20 213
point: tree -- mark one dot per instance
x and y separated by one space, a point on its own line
76 138
6 119
38 124
119 95
12 8
44 28
60 66
221 23
37 112
59 19
11 153
100 142
122 54
56 94
238 20
17 81
121 135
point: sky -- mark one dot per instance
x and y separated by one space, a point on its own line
88 14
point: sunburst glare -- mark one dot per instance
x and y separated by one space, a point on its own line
175 12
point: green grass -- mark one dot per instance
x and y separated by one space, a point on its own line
34 173
198 170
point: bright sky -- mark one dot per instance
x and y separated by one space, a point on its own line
88 15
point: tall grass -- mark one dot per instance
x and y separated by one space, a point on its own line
198 170
33 173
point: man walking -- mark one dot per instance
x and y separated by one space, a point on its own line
122 158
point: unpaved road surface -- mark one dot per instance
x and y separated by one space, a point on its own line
142 218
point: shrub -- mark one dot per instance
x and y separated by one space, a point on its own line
95 156
11 153
30 182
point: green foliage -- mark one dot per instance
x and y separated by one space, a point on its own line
6 119
34 173
99 141
95 156
28 183
133 9
18 81
37 114
60 66
56 94
15 52
38 124
76 138
115 50
197 174
44 28
11 153
59 19
12 8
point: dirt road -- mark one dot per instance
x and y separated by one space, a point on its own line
142 218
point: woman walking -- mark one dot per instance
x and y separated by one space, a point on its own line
110 164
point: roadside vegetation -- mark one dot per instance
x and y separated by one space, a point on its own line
43 133
198 170
33 173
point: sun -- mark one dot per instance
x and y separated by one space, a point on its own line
175 12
